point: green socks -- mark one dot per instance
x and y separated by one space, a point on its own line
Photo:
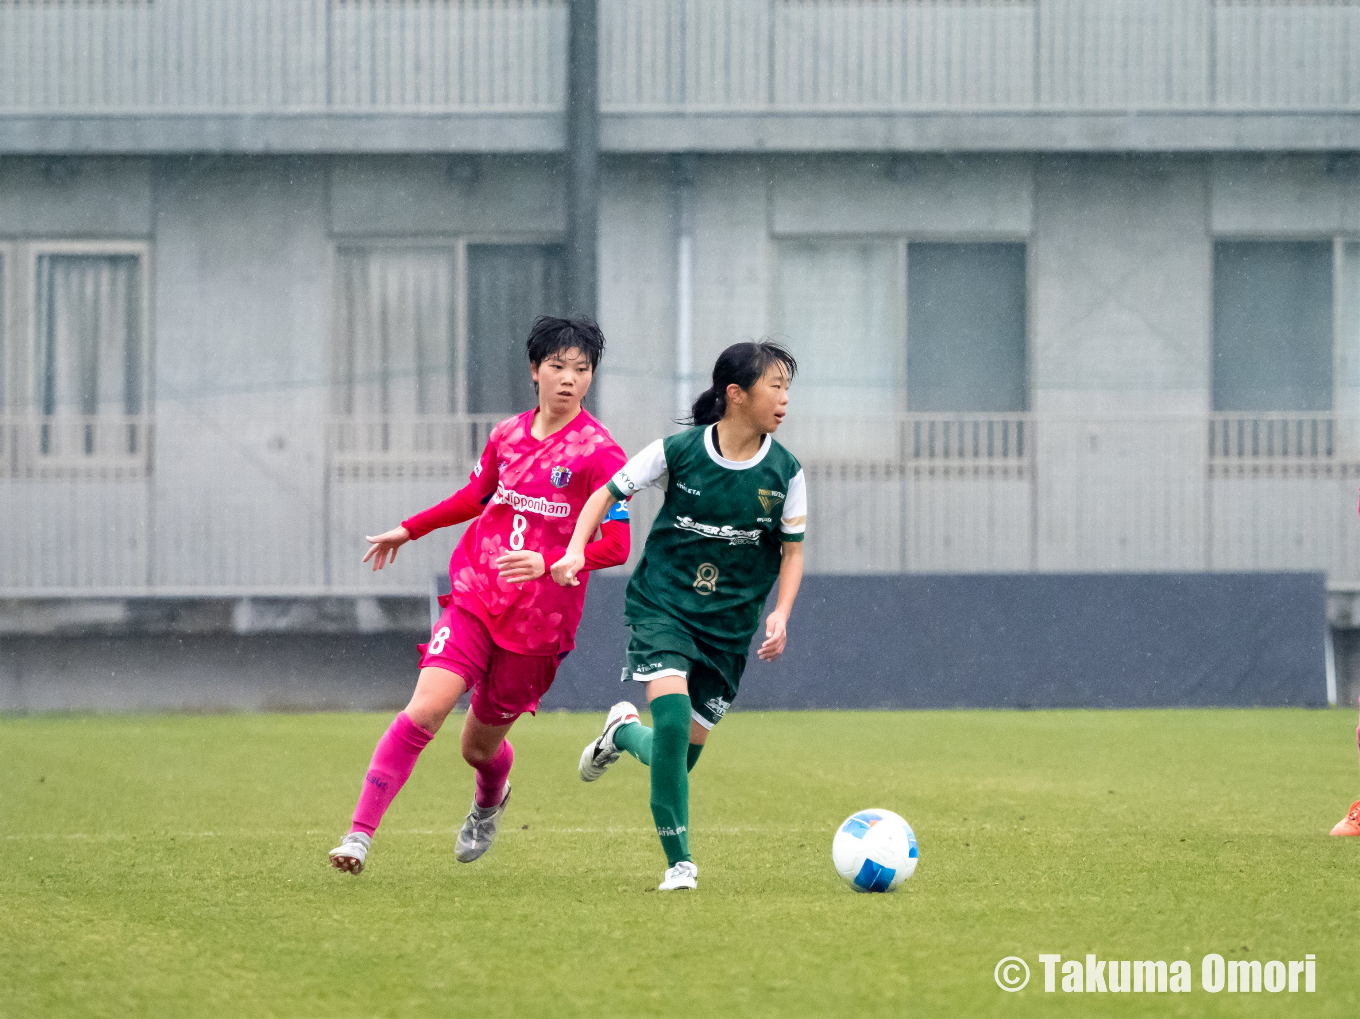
636 738
670 777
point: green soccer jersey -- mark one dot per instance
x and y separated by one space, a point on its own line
715 548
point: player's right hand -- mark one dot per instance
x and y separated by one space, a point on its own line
565 569
383 548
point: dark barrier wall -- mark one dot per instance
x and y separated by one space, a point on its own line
1149 640
1011 641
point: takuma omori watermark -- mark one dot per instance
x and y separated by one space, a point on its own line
1094 975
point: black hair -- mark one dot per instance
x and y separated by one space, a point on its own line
550 335
743 364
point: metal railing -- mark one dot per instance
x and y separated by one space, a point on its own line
57 447
220 510
383 448
1282 445
253 56
281 55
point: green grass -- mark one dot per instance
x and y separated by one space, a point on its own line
175 866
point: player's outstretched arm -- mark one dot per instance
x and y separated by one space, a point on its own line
463 505
777 622
592 515
382 548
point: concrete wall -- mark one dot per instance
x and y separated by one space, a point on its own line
1121 284
1120 253
1120 261
1121 250
242 299
73 197
638 303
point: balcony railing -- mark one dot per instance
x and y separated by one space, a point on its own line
101 57
57 447
101 509
1282 445
435 447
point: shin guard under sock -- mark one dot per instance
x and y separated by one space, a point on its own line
692 758
492 774
393 758
670 780
636 738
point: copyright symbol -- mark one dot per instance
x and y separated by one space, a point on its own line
1011 973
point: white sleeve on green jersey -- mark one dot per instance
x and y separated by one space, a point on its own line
794 520
646 469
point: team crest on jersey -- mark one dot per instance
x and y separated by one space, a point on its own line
561 476
769 499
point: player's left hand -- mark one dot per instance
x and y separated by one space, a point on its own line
776 636
521 567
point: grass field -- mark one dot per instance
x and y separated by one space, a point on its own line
175 866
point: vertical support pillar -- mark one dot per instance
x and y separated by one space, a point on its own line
684 285
583 156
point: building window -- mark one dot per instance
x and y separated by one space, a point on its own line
966 328
396 352
1273 326
886 326
88 313
4 335
74 359
840 308
508 286
1348 329
411 341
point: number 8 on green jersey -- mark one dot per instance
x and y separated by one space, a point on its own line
710 560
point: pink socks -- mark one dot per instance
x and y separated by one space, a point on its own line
491 776
393 758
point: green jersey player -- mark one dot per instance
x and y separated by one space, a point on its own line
731 525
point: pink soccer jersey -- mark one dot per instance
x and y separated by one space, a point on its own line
537 489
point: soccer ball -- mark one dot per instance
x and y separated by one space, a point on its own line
874 850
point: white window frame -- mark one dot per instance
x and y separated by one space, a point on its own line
33 250
1338 240
354 453
1254 440
23 405
903 242
10 329
458 245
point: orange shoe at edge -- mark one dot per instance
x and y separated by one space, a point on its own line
1350 824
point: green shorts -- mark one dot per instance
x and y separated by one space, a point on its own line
662 647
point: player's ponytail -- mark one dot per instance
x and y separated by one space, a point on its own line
709 407
742 364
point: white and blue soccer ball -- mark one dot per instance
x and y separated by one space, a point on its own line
874 850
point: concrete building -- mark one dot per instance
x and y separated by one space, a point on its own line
1075 284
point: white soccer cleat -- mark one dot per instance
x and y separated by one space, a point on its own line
683 875
351 852
600 752
479 829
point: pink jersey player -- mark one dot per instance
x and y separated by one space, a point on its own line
507 625
533 490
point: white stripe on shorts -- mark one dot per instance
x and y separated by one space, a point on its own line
639 677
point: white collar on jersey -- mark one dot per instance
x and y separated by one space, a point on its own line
735 465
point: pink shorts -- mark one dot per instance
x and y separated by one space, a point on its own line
504 684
